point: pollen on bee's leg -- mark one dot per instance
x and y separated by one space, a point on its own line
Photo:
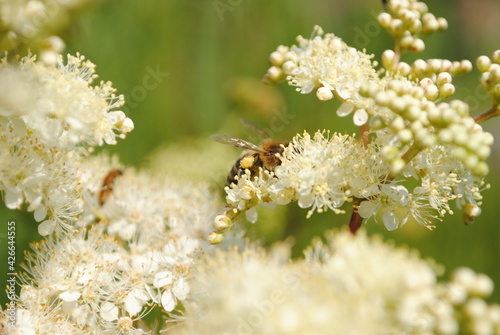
247 162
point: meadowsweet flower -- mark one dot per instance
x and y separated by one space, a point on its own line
313 172
95 282
67 110
144 207
45 135
361 292
315 168
39 174
323 172
326 64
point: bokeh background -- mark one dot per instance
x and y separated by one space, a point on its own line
192 68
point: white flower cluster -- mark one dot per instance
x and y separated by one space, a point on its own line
95 283
49 116
347 286
329 66
324 172
62 106
134 257
31 25
408 132
490 78
144 208
407 20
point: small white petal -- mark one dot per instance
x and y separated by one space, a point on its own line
324 94
345 109
360 117
367 208
163 278
181 288
46 227
40 213
109 312
344 94
306 200
13 198
132 305
168 301
390 219
70 295
252 215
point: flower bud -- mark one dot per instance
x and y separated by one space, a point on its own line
215 237
384 19
377 123
404 68
431 92
289 66
396 26
496 56
465 66
276 58
222 222
443 78
446 90
483 63
389 59
324 93
418 45
442 23
275 74
483 285
419 66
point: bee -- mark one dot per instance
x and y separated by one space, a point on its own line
107 186
254 157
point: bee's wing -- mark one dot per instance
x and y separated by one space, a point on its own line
235 142
255 128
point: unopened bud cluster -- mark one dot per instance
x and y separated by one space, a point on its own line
407 21
419 69
420 121
490 78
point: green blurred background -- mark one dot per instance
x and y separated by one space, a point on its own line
209 57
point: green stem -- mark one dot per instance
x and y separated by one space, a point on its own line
488 115
412 151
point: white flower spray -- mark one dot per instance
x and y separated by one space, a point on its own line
45 136
122 244
408 132
350 285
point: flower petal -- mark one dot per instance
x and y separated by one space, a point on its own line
345 109
168 301
390 219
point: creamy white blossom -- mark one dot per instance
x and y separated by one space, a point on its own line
328 65
63 108
326 171
351 284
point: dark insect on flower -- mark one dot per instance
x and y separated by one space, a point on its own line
254 157
107 186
